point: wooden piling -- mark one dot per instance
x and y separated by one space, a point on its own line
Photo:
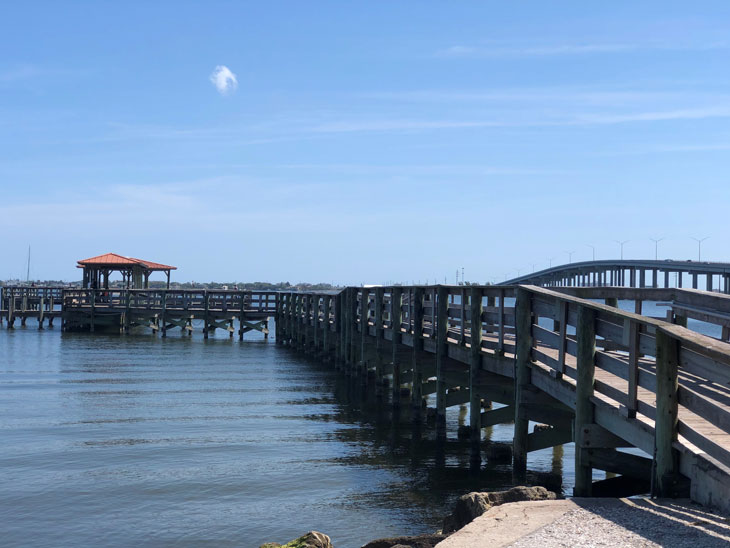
378 320
523 327
665 430
442 330
475 365
586 350
417 356
396 302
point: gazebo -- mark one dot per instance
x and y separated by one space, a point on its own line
135 272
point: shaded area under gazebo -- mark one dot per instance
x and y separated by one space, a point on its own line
135 272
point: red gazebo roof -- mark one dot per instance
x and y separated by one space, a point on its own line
116 261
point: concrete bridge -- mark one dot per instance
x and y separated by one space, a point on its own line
633 273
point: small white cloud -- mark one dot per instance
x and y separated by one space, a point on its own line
224 80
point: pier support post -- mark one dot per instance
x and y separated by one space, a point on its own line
316 324
353 329
665 430
347 326
379 295
523 325
364 323
339 329
40 313
586 343
475 363
163 327
442 328
326 333
93 306
396 303
417 366
306 315
205 314
278 319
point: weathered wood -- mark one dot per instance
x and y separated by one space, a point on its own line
396 301
523 325
379 341
417 390
586 338
475 365
667 364
442 323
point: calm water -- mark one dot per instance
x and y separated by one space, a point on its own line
137 440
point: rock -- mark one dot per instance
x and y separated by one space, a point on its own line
473 505
463 432
419 541
313 539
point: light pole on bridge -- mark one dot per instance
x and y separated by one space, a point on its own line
622 246
570 256
656 247
699 246
593 249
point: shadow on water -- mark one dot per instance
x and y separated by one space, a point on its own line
438 469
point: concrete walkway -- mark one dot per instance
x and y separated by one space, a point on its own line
578 523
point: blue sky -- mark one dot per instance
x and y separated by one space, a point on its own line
364 142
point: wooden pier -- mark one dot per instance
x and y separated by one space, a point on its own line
121 310
160 310
595 375
43 304
643 397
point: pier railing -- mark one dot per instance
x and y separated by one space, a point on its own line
641 381
261 302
